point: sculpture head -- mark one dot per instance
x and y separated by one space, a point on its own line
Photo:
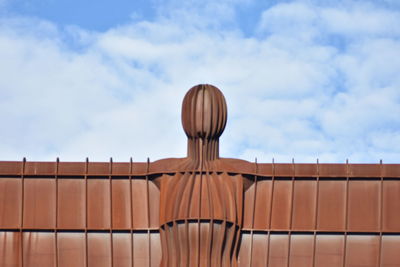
204 112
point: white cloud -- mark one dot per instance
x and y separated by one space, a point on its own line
361 20
291 91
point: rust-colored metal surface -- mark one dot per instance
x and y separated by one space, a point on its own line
201 210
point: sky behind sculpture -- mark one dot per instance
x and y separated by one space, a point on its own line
302 79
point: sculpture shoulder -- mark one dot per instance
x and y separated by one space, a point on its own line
235 166
171 165
168 165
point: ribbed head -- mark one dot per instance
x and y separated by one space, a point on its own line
204 112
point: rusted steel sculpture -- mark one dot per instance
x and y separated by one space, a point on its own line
201 210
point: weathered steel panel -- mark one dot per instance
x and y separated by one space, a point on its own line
10 202
98 204
332 205
304 205
39 203
121 206
391 206
71 249
71 204
282 205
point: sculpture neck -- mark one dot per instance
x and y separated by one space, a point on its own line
203 149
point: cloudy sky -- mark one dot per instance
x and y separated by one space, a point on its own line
302 79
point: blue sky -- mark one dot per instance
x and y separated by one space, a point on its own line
303 79
93 15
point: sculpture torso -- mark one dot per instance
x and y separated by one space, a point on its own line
200 219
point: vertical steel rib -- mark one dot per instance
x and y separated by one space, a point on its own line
202 158
86 212
380 214
270 210
316 216
56 215
211 224
131 209
253 213
347 214
21 234
148 212
111 211
291 212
